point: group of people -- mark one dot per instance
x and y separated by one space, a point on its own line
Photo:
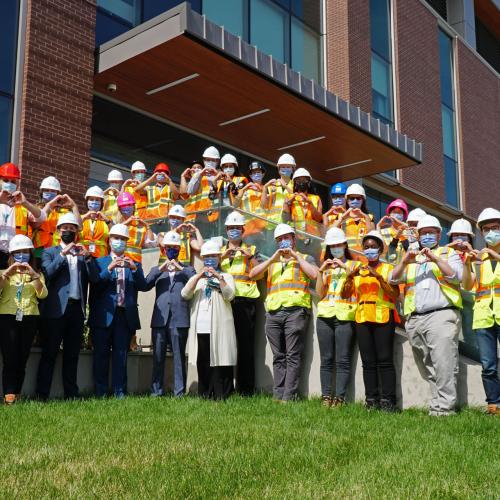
60 268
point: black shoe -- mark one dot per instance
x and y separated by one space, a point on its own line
372 404
388 406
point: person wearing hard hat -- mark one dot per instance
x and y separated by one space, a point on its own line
432 304
229 182
170 320
411 233
115 281
288 306
17 214
160 190
375 322
337 192
461 237
138 172
356 222
238 258
115 181
95 225
482 274
334 322
212 339
54 205
195 168
21 289
63 311
276 190
303 208
393 229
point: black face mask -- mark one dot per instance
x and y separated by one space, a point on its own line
68 237
302 186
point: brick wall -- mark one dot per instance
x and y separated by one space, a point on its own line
57 95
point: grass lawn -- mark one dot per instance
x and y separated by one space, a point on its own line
245 448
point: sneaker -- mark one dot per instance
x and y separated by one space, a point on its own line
387 406
9 399
338 402
371 404
493 409
326 401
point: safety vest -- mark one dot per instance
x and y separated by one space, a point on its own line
141 201
21 220
237 180
374 305
331 219
184 256
198 201
109 206
276 198
45 235
287 286
388 234
96 236
451 291
354 230
333 305
487 303
301 213
250 201
239 267
159 201
135 242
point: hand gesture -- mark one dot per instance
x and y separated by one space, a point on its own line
429 254
12 269
115 263
68 248
27 269
338 263
471 256
17 198
357 213
128 262
80 249
410 256
326 264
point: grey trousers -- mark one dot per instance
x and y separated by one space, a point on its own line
285 332
434 339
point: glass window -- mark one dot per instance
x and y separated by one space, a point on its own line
268 29
152 8
379 28
227 13
306 51
9 11
128 10
448 131
381 88
451 184
309 12
5 127
446 69
108 27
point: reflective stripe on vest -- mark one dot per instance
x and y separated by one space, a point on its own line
239 269
198 201
45 236
250 202
109 206
98 237
450 291
354 230
135 243
21 219
487 303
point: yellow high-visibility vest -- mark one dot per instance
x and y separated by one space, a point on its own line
239 267
487 302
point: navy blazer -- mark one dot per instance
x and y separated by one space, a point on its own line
56 271
168 297
103 296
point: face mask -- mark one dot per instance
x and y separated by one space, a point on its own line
399 217
10 187
140 176
127 211
286 172
337 252
229 170
174 223
118 246
428 240
210 163
68 237
94 205
47 195
371 253
338 202
21 258
285 244
492 238
115 185
160 177
172 253
302 186
457 238
211 262
257 177
355 203
234 234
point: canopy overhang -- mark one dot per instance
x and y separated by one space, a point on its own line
183 68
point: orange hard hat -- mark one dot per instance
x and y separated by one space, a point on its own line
9 171
162 167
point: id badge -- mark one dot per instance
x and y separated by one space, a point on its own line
92 248
19 315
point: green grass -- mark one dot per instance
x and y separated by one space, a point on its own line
244 448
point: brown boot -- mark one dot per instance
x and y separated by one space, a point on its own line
9 399
326 401
493 409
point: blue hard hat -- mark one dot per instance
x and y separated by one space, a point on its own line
339 188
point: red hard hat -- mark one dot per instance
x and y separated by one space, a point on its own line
162 167
397 203
9 171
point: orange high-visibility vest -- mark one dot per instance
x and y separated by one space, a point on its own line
96 237
135 242
354 230
141 201
198 201
21 220
45 235
159 201
301 214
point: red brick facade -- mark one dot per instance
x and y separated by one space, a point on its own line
57 94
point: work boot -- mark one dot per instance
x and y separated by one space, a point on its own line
326 401
387 405
371 404
337 402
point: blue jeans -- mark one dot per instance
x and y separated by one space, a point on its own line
487 340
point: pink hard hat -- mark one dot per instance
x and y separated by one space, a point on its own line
125 199
397 203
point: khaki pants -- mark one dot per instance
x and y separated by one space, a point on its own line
434 339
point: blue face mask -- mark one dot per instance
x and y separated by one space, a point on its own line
160 177
118 246
458 238
140 176
229 170
172 253
492 237
10 187
127 211
257 177
174 223
286 172
234 234
285 244
48 195
355 203
371 253
337 252
94 205
428 240
399 217
338 201
21 258
211 262
210 163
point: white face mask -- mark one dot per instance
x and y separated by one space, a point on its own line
229 170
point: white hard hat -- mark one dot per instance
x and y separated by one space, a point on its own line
335 236
415 215
172 238
136 166
235 219
301 172
115 175
119 230
50 183
488 214
94 191
67 218
356 189
20 242
177 210
461 226
211 152
375 235
282 229
210 247
286 159
428 221
228 158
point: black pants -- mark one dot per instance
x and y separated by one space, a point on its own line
214 382
376 347
67 329
244 312
16 338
